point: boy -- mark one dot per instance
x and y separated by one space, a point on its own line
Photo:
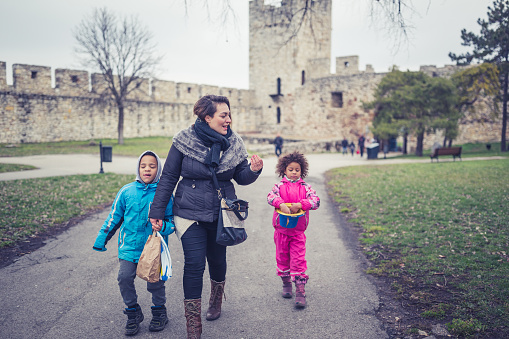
129 214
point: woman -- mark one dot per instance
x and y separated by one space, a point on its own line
209 144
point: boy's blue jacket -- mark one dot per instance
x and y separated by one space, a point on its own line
129 215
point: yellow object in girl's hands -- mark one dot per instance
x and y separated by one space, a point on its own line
289 220
299 213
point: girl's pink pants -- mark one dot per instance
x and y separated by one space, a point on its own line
291 254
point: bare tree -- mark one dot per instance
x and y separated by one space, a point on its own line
121 49
392 16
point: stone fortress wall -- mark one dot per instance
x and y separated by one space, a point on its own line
292 91
32 110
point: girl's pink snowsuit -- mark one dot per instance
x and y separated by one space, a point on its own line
291 242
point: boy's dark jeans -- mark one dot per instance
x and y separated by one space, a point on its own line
126 275
198 243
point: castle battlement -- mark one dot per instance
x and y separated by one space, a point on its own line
34 79
443 72
79 106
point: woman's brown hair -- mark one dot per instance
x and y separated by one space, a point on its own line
207 105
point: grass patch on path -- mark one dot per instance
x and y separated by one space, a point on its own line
131 147
15 168
440 233
28 207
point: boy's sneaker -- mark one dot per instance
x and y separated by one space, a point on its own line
134 318
159 319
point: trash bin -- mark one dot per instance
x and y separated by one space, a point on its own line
107 153
393 145
373 150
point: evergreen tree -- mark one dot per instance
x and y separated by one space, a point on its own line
477 87
492 46
414 103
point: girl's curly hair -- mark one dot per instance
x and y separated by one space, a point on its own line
288 159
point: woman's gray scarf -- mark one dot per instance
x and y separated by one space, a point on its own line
188 143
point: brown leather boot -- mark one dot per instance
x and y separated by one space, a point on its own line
216 299
287 286
300 292
193 318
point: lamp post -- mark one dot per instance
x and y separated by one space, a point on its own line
101 155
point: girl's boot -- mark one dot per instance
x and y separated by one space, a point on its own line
287 286
300 292
193 318
216 300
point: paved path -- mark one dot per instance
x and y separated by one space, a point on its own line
64 164
67 290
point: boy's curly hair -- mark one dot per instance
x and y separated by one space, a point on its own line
288 159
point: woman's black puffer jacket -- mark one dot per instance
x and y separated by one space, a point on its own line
195 197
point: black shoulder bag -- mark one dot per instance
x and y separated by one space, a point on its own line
232 213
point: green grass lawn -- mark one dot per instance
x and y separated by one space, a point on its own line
470 150
131 147
439 232
34 205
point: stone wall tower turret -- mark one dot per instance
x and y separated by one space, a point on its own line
282 58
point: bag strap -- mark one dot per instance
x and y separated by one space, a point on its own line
237 213
220 196
216 183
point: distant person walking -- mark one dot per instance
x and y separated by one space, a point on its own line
344 144
361 145
278 143
291 242
337 145
352 148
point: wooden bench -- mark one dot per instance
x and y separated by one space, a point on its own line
454 151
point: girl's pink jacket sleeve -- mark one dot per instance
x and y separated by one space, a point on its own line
312 201
273 198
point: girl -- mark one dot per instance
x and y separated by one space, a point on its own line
291 242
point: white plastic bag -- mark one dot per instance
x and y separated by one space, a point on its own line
166 271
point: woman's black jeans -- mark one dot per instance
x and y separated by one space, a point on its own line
198 243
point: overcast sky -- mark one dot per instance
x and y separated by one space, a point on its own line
198 49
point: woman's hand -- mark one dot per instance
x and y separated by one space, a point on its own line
157 224
295 207
284 208
256 163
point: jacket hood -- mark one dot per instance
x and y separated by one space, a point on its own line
159 167
285 179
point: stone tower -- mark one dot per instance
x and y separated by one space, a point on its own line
285 51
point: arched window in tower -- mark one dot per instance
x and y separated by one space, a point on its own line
303 77
278 115
278 86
